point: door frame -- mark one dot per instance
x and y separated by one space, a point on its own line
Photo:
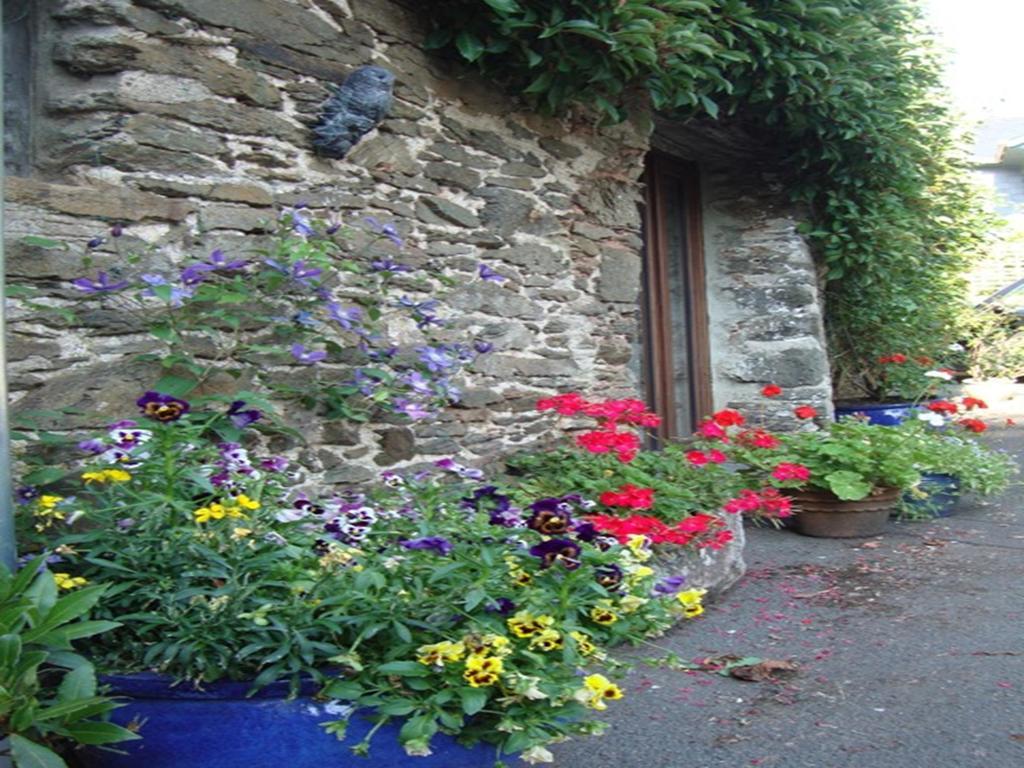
659 352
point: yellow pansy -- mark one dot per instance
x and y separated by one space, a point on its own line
525 624
599 689
547 640
583 643
106 476
603 614
240 533
67 581
638 545
439 653
246 503
690 600
482 670
214 511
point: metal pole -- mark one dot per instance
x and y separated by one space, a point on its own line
8 549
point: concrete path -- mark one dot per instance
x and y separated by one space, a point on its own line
910 650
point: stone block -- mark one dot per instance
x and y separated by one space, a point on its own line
493 300
713 569
536 259
792 363
449 212
113 203
619 278
238 217
508 213
452 175
397 444
560 149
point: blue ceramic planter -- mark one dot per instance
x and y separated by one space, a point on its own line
884 414
943 494
219 727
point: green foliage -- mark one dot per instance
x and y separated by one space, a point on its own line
849 93
48 693
217 568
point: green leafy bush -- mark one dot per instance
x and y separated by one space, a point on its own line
48 693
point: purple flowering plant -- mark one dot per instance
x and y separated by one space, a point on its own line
336 299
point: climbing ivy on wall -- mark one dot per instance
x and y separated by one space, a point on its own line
849 93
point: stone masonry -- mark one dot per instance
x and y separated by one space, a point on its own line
190 122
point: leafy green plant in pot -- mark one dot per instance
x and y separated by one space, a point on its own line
49 698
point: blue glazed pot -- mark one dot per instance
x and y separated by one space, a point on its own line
219 727
943 494
884 414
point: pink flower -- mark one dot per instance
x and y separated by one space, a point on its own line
697 458
717 457
712 431
786 471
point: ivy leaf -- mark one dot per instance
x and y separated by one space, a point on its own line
469 46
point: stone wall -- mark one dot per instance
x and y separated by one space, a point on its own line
190 122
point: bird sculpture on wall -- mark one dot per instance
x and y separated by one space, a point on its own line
356 108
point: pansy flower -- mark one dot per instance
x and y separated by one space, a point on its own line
161 407
557 551
241 416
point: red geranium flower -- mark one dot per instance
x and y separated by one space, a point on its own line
629 496
785 471
717 457
942 406
567 405
758 438
728 418
697 458
771 390
805 412
898 358
970 403
712 431
974 425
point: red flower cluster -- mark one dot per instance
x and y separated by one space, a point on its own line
728 418
970 403
785 471
623 444
625 411
771 390
703 530
699 458
942 406
758 438
629 496
768 502
612 413
898 358
805 412
712 431
974 425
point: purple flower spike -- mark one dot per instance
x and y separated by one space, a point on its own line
436 543
162 407
101 284
307 356
489 275
243 418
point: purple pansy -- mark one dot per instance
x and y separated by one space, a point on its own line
307 356
241 416
101 284
161 407
26 493
438 544
668 586
557 551
274 464
93 446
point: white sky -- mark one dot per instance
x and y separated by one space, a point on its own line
986 41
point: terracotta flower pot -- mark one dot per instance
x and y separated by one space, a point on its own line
821 513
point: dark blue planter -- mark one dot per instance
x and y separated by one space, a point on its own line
943 494
219 727
885 414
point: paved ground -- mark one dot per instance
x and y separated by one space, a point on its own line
910 650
